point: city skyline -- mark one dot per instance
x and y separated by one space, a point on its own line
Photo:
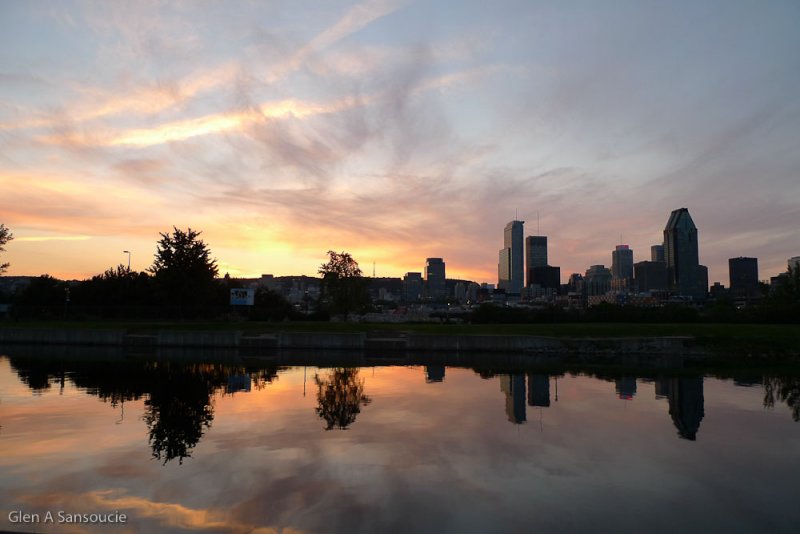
396 131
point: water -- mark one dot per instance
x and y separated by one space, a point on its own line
264 445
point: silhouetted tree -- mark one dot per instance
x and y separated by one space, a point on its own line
339 397
183 269
343 285
117 290
5 237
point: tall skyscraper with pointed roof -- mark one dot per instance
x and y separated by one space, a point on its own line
684 273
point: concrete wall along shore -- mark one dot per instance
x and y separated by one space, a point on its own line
392 341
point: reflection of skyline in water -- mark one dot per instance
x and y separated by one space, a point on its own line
408 447
178 397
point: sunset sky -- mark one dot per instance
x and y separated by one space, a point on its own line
396 130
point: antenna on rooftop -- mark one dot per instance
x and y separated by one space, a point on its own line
373 269
537 223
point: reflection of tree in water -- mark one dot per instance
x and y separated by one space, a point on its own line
178 405
340 395
178 411
784 389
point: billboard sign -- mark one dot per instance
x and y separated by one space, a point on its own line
242 297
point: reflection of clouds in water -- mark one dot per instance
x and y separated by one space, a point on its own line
175 515
408 462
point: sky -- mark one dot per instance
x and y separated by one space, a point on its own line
396 131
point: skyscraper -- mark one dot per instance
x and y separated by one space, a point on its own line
622 265
535 255
743 276
511 267
681 254
435 277
657 253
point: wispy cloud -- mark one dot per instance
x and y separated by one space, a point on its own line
38 238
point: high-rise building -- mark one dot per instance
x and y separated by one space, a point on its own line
650 276
743 276
597 280
412 287
657 253
435 277
535 255
511 267
622 264
684 272
546 277
794 263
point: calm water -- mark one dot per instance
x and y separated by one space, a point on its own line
270 446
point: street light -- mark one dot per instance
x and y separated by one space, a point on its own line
129 258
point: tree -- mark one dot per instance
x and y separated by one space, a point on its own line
184 270
5 237
342 283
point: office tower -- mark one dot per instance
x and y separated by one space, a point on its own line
575 284
547 277
511 267
743 276
794 263
434 277
657 253
597 280
622 266
650 276
412 287
684 272
535 255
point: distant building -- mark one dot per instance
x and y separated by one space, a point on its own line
597 280
794 263
546 277
435 278
575 284
657 253
622 265
412 287
535 255
684 273
650 276
743 274
511 265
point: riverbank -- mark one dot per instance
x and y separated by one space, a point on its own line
719 336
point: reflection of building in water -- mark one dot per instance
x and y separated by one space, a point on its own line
662 388
626 387
434 373
238 383
538 390
686 403
514 388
